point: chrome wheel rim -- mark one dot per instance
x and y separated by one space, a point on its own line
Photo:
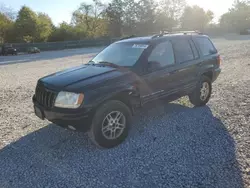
205 89
113 125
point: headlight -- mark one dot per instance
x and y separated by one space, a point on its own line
69 100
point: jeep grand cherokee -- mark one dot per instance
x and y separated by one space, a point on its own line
101 96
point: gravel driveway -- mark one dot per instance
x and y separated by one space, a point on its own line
170 145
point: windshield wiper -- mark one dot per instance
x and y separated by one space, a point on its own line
108 64
91 63
104 63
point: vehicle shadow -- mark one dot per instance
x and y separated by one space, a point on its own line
169 146
48 55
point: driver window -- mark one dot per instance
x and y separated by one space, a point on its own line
162 54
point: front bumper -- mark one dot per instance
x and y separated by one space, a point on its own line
80 119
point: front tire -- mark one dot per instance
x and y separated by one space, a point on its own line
110 124
202 92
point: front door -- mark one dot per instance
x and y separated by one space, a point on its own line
161 75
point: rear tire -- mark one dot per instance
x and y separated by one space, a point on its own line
110 124
202 92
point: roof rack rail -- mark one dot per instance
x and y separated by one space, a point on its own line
188 32
162 33
127 37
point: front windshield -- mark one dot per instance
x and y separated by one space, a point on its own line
121 54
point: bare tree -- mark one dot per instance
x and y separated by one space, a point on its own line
8 12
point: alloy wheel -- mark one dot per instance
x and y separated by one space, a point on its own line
113 125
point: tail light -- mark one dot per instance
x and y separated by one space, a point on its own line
219 60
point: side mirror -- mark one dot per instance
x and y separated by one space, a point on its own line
153 66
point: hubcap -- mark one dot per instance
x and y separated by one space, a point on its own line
113 125
205 89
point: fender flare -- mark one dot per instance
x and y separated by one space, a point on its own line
128 95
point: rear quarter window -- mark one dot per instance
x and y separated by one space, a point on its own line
205 45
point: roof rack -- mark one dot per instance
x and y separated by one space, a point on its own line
188 32
162 33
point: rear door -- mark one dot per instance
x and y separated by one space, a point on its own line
187 58
209 54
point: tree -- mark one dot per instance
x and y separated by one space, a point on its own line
146 17
114 14
7 16
195 18
44 27
237 18
67 32
129 17
26 25
8 12
5 26
90 17
169 13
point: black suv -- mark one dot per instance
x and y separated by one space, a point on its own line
6 50
101 96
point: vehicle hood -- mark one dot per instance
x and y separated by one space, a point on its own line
81 76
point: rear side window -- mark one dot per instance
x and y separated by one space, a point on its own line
206 46
183 51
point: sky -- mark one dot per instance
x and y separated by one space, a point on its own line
61 10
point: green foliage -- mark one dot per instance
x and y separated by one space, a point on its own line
195 18
129 17
90 19
146 16
169 13
143 17
118 18
44 28
8 12
5 26
114 14
237 18
63 33
26 25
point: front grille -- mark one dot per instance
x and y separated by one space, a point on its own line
44 96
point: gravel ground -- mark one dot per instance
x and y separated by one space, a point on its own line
170 145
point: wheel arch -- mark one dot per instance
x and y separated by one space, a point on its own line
129 97
208 74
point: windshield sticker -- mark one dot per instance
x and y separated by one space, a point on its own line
143 46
